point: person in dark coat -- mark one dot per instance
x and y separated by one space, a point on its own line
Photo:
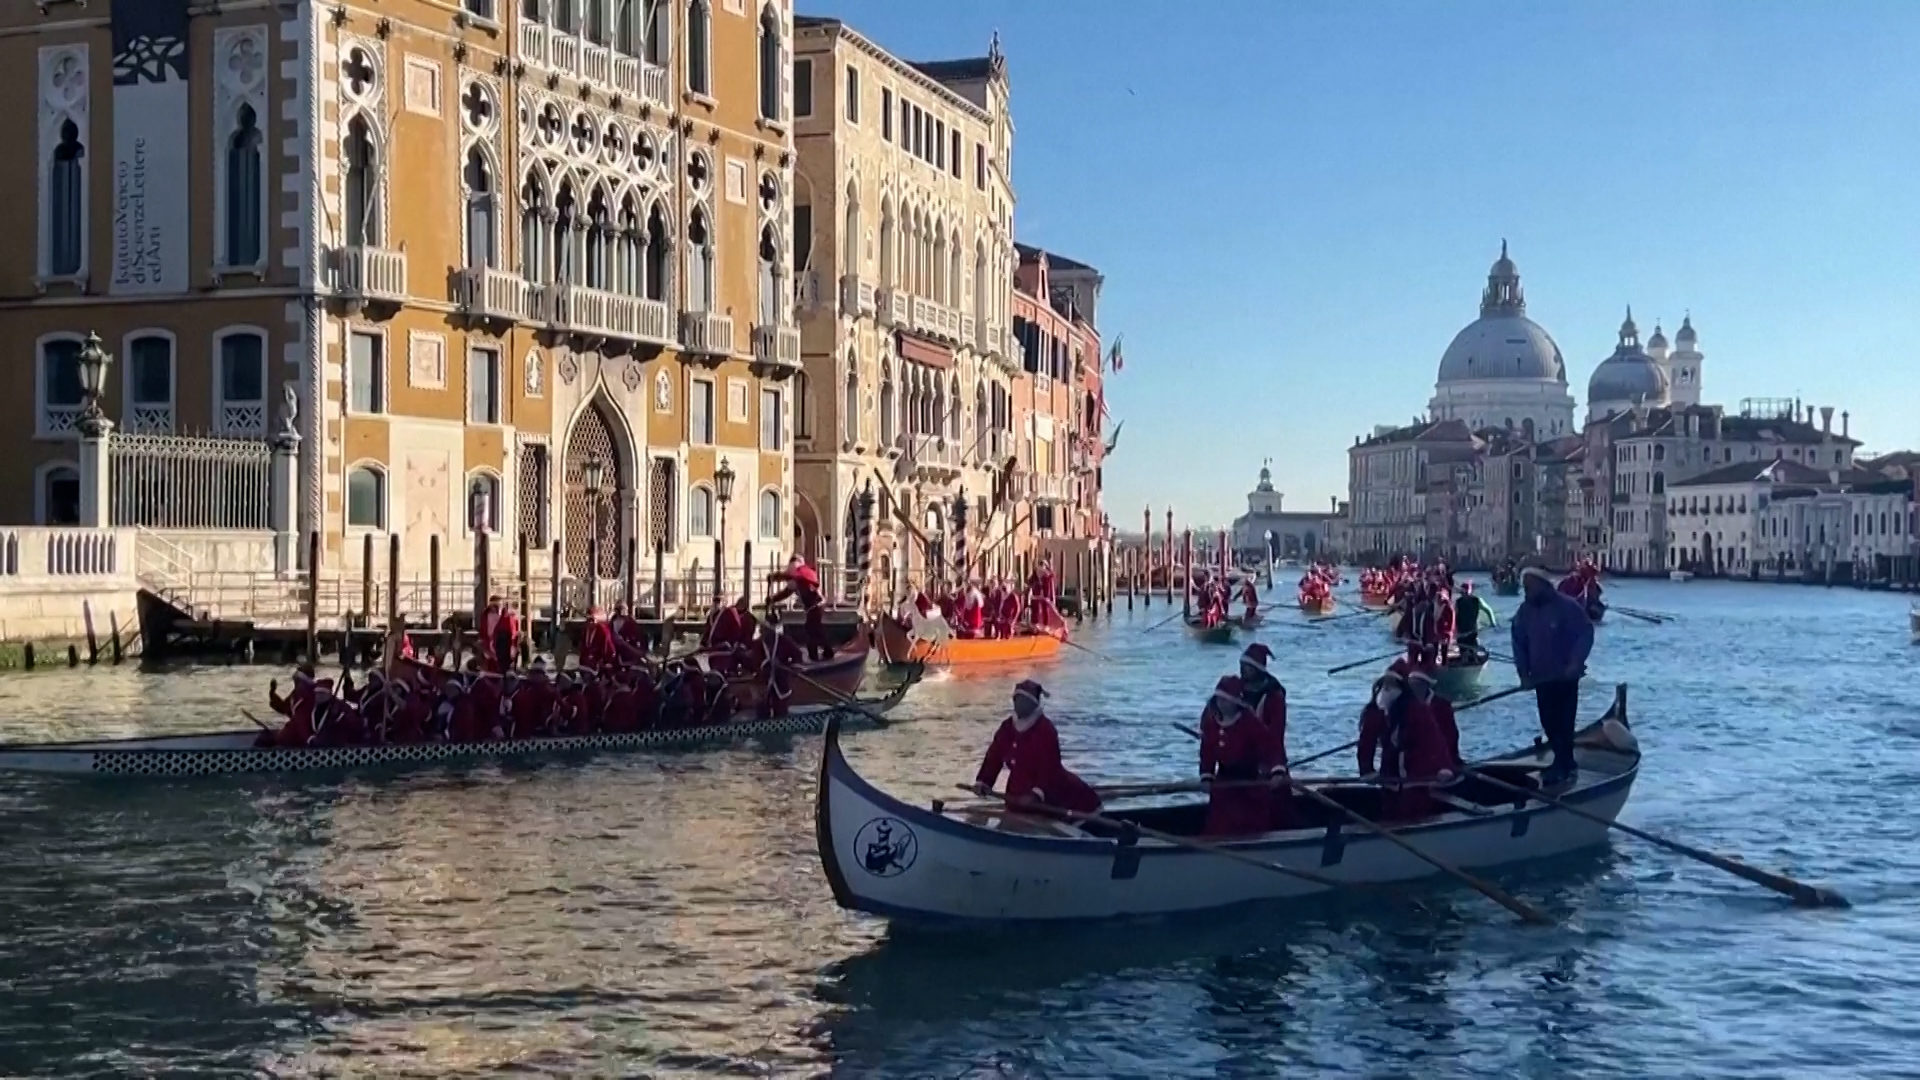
1552 637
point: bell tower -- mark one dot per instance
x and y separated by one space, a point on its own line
1684 364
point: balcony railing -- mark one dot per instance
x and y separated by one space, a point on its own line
576 309
484 292
1044 487
969 331
777 347
703 333
894 308
612 72
596 64
563 52
999 446
533 42
856 296
370 273
936 319
933 454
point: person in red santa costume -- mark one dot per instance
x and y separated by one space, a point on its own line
1413 753
992 604
1236 762
729 636
773 657
1041 593
597 646
803 584
972 612
1009 619
1027 747
499 630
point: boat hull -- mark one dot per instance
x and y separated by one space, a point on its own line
898 646
1220 633
233 753
1375 601
1506 588
1456 682
914 865
1319 607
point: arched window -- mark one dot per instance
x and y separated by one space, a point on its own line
60 496
483 502
366 498
770 515
149 386
565 214
563 16
851 256
700 513
937 283
699 50
699 263
886 406
771 68
659 34
598 28
953 410
599 237
67 203
888 260
533 230
482 212
1659 483
626 267
533 11
240 405
245 208
980 421
769 278
60 391
802 406
659 255
953 273
980 286
362 189
850 408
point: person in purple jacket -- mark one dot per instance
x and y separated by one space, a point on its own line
1552 636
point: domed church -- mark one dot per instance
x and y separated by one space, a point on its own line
1629 377
1504 370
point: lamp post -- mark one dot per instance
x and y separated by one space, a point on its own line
94 362
593 474
95 483
723 493
959 516
1270 552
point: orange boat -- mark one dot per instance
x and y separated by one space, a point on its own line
899 646
1318 605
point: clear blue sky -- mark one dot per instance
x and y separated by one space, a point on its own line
1295 204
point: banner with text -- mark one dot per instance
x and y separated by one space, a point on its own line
150 210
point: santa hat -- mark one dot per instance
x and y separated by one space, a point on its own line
1536 572
1032 691
323 687
1420 675
1257 654
1231 690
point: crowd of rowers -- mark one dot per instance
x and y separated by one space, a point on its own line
995 610
1212 596
1409 744
618 687
1316 586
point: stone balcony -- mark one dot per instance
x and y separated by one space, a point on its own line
895 308
999 447
934 457
362 274
705 335
1044 487
935 320
494 295
597 65
776 351
856 296
596 313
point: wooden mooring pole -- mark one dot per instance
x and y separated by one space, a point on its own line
526 600
396 622
313 597
366 582
1186 574
433 583
553 613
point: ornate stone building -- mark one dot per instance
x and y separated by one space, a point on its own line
1503 370
479 245
905 237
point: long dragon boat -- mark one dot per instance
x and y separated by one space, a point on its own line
233 753
987 865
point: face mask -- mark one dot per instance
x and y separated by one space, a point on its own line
1025 712
1250 674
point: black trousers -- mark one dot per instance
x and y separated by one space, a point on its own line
1559 704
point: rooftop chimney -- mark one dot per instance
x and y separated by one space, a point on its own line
1844 425
1333 502
1826 419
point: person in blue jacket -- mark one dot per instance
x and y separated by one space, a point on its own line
1552 636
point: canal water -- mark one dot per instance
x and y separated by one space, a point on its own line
663 916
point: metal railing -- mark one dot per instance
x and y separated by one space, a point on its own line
184 482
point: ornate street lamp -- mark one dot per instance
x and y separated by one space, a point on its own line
94 362
723 492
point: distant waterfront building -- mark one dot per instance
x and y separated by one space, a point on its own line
1295 534
1387 484
1504 370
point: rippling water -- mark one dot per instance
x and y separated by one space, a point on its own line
666 915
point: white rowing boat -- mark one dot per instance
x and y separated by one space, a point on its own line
230 753
919 865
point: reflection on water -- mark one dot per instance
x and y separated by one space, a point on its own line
665 914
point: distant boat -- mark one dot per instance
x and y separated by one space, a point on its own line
1680 575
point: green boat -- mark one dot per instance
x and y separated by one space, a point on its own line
1220 633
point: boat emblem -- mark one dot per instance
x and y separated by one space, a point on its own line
887 847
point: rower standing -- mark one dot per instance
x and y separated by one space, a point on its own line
1469 611
1028 747
1552 637
804 584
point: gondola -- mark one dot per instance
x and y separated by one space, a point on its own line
984 865
933 643
1220 633
232 753
1459 678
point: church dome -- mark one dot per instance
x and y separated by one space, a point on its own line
1686 337
1658 340
1629 375
1502 343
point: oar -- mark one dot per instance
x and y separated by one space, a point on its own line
1643 616
1804 895
1072 644
264 726
1163 622
1169 838
878 720
1363 663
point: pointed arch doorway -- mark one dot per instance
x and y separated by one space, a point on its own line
599 435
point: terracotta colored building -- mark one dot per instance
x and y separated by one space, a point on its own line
461 250
1057 399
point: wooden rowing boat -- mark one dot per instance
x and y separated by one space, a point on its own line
1506 586
900 644
979 867
1325 605
1376 601
1220 633
232 753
